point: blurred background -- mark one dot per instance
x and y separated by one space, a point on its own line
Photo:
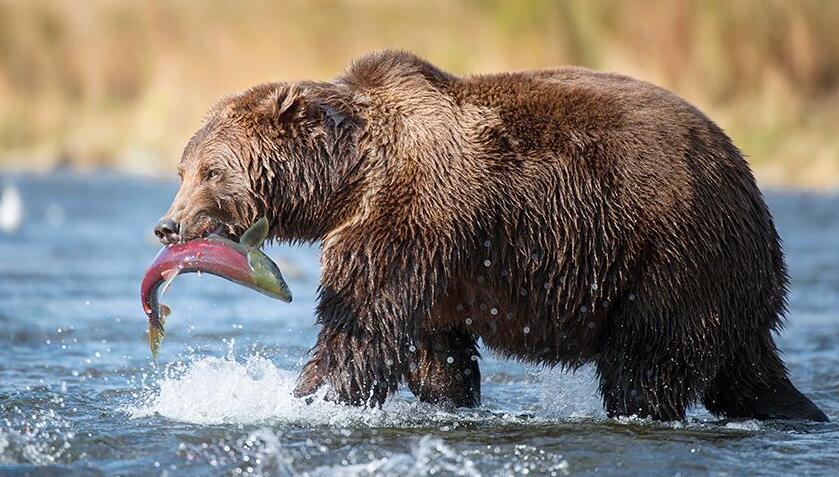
97 99
123 84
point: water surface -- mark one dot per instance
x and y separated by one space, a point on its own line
80 395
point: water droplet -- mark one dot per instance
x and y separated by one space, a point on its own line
468 321
583 309
526 329
487 263
450 360
547 286
594 287
486 243
389 362
632 297
474 357
493 311
467 371
412 348
459 307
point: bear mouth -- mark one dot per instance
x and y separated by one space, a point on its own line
207 225
210 226
220 229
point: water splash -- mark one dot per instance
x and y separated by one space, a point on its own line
570 394
33 436
747 425
212 390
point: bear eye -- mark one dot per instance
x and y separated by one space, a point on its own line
212 174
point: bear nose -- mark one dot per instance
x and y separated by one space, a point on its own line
167 230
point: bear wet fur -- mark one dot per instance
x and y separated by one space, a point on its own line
563 216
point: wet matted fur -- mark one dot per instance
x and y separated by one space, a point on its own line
562 216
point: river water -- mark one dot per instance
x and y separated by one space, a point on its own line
80 395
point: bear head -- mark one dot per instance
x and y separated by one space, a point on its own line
280 150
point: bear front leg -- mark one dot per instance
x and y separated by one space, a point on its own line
370 320
357 368
443 368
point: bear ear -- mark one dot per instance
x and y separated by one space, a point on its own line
335 105
281 104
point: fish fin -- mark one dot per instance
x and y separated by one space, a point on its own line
255 235
164 312
169 277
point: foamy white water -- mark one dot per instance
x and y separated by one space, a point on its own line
212 390
570 394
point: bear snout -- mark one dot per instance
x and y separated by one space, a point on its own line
167 230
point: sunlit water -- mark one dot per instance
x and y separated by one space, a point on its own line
79 394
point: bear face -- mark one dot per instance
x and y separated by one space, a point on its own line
265 152
215 194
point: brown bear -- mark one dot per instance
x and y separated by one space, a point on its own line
562 216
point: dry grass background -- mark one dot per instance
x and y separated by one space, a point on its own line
124 83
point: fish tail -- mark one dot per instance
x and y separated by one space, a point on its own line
156 331
156 335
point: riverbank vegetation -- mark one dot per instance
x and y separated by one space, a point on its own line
123 84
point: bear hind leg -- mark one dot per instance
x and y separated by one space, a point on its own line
647 383
756 386
444 369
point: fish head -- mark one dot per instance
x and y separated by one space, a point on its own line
266 276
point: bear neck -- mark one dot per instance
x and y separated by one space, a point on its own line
329 190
